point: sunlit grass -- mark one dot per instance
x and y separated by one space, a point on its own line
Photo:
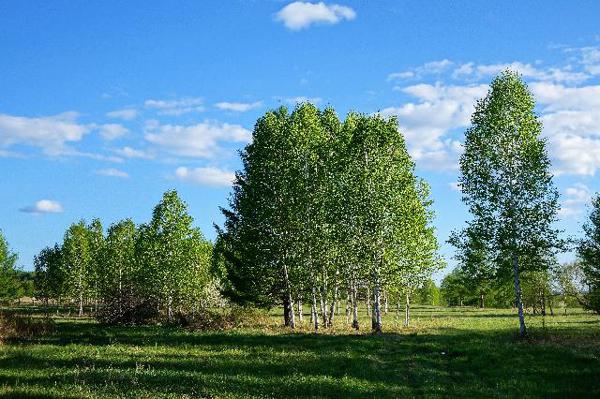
444 353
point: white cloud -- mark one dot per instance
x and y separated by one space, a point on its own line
572 124
49 133
176 107
112 131
578 196
474 71
237 106
43 206
428 122
200 140
208 176
112 172
429 68
126 114
129 152
299 14
302 99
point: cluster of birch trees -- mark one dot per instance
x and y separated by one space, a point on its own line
326 212
131 273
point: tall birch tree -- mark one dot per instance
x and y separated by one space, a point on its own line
506 182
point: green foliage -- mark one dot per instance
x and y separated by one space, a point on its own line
174 257
323 206
10 286
507 185
589 253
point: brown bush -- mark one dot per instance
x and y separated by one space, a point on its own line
14 326
225 318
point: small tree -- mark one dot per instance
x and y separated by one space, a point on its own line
77 258
174 256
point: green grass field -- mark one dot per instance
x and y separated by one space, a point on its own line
445 353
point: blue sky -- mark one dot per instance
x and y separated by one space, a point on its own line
105 105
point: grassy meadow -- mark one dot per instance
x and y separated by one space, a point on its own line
447 352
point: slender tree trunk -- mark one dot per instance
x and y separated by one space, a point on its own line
368 301
354 299
348 306
518 299
290 320
407 311
170 308
385 302
300 310
288 311
323 307
120 293
314 315
481 300
376 325
333 303
550 304
80 303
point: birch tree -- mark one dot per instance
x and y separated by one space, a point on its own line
76 256
117 280
506 182
171 252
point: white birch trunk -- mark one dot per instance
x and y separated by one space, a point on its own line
518 299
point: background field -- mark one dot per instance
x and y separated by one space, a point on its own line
447 352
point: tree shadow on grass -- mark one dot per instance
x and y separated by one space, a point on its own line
166 361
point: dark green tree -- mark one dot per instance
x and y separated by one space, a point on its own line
588 251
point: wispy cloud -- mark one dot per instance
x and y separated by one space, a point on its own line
129 152
207 176
126 114
43 206
112 131
238 106
112 172
176 107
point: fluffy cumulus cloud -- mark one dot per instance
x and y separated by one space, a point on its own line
112 172
43 206
428 121
437 113
203 140
126 114
238 106
207 176
300 14
176 107
51 134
